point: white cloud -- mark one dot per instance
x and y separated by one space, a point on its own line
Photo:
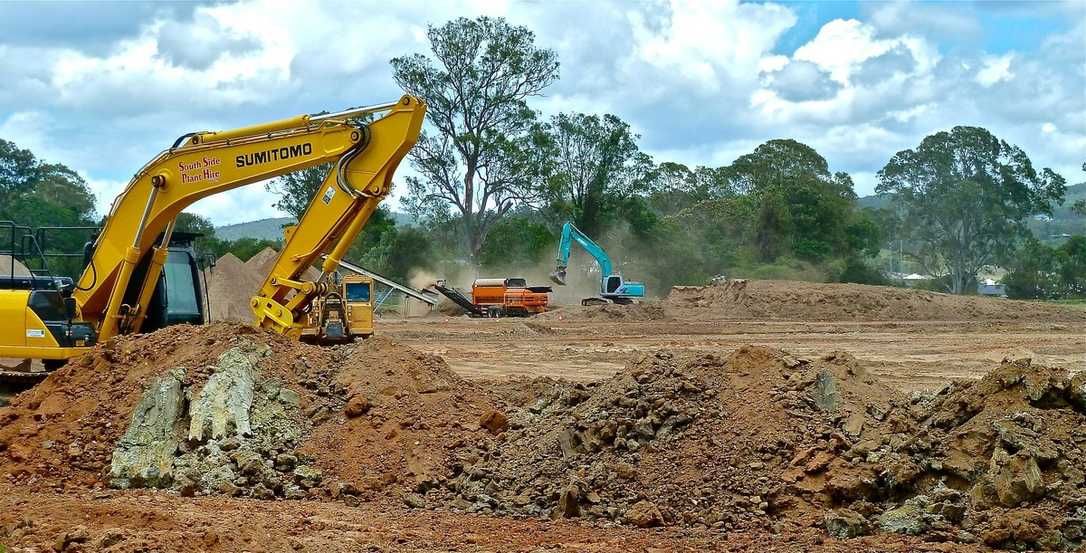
702 82
711 43
995 69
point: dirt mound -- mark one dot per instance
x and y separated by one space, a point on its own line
233 282
12 267
760 439
646 311
231 410
230 286
793 300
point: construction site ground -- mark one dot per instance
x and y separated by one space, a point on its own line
910 355
66 511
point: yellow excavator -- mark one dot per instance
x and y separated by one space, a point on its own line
51 319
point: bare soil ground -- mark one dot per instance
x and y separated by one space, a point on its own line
908 355
419 389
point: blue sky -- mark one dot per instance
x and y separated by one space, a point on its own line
104 86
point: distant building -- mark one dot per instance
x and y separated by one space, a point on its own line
913 280
989 287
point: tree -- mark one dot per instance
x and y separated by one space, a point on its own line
596 160
296 189
41 194
483 152
801 207
965 195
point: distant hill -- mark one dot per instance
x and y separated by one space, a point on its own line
272 228
264 229
1062 221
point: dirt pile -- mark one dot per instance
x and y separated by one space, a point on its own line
760 439
230 285
12 267
231 410
233 282
645 311
794 300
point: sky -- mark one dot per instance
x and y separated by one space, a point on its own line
104 86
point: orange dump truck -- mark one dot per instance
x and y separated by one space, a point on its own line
509 297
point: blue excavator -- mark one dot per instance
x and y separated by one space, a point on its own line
613 289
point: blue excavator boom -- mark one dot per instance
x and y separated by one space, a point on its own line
613 288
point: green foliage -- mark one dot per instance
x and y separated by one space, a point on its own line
39 194
859 272
245 248
392 251
596 161
517 241
1039 271
482 153
965 196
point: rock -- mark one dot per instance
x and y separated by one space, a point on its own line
357 406
144 455
820 461
1015 479
1078 391
293 492
249 462
568 502
566 443
906 519
187 487
494 421
624 471
225 487
110 538
78 534
854 424
414 500
824 393
644 514
222 409
289 397
307 476
260 491
1021 529
846 523
222 473
643 428
285 462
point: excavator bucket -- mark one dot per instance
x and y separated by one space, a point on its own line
559 276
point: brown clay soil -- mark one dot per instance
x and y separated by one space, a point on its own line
456 434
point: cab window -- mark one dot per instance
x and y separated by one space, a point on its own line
358 291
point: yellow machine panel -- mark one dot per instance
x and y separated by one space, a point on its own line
358 292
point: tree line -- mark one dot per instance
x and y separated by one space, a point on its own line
493 180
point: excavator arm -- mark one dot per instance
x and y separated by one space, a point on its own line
570 234
199 165
335 216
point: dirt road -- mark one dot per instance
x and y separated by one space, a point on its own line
910 355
